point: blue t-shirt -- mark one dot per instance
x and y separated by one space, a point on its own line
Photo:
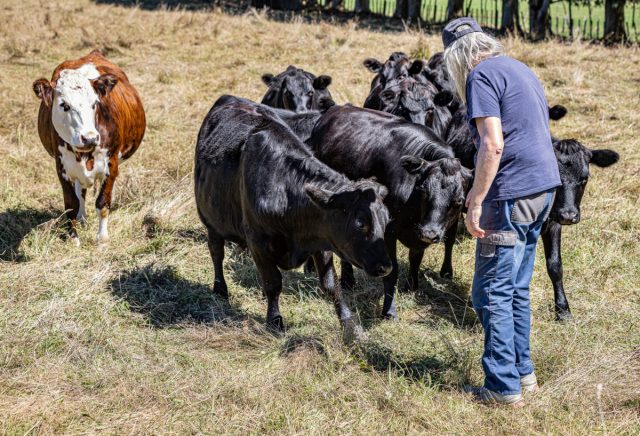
506 88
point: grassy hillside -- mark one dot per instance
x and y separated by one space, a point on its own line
129 339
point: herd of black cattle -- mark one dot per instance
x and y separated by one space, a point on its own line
299 177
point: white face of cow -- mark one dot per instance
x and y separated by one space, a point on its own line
73 110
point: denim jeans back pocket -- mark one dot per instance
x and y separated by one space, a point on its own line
527 209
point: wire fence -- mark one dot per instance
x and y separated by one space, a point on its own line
566 19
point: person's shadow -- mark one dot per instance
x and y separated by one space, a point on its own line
16 224
166 299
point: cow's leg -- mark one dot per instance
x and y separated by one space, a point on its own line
347 279
329 283
71 206
449 242
415 260
216 249
309 267
103 201
389 282
81 193
551 238
272 286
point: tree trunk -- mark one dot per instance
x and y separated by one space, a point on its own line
538 19
454 9
362 7
614 21
510 17
414 8
401 9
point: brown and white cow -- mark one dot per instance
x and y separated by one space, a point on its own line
91 118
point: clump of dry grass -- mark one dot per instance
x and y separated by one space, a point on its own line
130 339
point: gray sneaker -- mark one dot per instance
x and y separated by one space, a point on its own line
529 383
486 396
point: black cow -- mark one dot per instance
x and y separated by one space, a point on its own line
426 184
300 123
573 163
420 103
397 67
257 185
296 90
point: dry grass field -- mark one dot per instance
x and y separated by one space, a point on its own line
129 339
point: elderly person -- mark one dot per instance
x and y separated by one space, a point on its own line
515 179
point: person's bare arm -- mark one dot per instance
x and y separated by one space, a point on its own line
487 163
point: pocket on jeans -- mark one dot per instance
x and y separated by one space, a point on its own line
492 258
527 209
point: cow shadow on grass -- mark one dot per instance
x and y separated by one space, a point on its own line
426 368
166 299
16 224
444 298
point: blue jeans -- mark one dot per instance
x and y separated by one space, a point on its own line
500 293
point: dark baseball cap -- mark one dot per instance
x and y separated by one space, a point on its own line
458 28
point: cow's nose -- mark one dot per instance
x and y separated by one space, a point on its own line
430 236
382 269
569 217
90 139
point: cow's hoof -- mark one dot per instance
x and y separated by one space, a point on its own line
102 240
352 332
276 324
221 290
410 287
75 240
563 316
390 316
82 220
446 273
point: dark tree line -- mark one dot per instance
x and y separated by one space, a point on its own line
539 18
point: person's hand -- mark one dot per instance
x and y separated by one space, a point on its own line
474 211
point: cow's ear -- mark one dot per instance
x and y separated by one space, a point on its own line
413 165
604 158
325 103
372 65
320 197
416 67
104 84
557 112
267 79
43 90
443 98
321 82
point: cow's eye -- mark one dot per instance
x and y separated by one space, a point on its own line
65 107
93 106
402 76
310 93
361 224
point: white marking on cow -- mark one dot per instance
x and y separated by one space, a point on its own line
82 214
77 171
75 93
103 221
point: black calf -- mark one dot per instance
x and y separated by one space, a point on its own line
573 163
296 90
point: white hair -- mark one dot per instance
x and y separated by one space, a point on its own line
467 52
